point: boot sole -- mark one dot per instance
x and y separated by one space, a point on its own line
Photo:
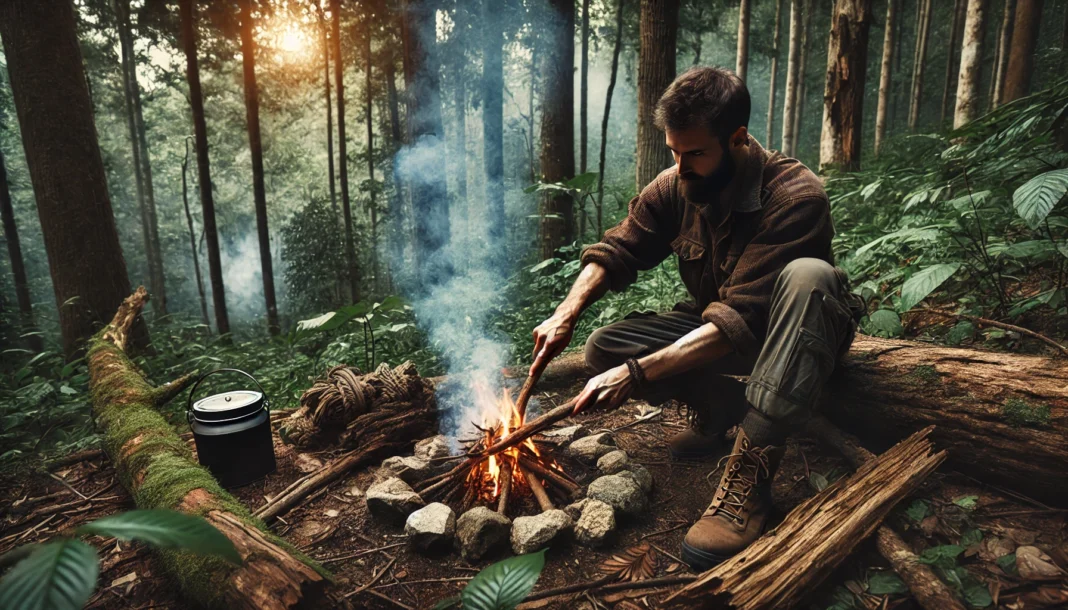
699 560
691 455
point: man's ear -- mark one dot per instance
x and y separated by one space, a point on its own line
740 137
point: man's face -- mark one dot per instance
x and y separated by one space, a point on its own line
704 166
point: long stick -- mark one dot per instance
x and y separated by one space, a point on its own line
539 491
506 486
524 395
529 465
527 430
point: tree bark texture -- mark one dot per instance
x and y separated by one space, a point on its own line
329 110
658 25
493 118
799 105
255 145
971 57
780 568
920 61
1001 60
368 111
1022 50
607 109
397 209
584 92
769 140
18 266
426 175
55 115
159 471
342 153
886 84
951 52
187 12
558 125
741 66
843 94
793 70
193 238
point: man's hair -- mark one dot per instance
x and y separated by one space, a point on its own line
708 96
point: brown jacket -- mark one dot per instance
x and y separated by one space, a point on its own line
728 261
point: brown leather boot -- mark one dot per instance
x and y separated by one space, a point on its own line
703 437
739 511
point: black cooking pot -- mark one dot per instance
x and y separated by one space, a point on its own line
232 431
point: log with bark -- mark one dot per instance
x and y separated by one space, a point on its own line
159 471
777 570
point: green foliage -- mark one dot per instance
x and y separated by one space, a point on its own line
1007 563
923 283
166 529
885 582
967 502
883 323
918 510
1020 412
1036 198
503 585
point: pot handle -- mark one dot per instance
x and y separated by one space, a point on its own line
189 403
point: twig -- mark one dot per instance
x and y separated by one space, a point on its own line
549 474
667 554
506 487
74 458
68 485
995 324
373 580
602 586
668 530
389 599
361 553
426 581
539 491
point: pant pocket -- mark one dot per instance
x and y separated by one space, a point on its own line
824 325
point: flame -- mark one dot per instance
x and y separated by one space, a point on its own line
500 419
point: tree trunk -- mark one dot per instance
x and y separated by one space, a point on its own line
1001 59
895 101
396 202
922 34
200 130
584 91
607 109
558 126
150 456
18 266
885 78
774 73
368 107
971 56
255 145
493 119
843 96
142 168
951 52
799 105
44 64
1022 50
193 238
329 109
741 66
342 152
793 69
659 24
778 570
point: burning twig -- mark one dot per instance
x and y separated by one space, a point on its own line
539 491
524 395
506 487
527 430
549 475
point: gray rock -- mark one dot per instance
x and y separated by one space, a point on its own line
613 462
392 500
569 434
431 527
409 469
532 533
641 476
479 531
619 491
433 447
574 510
590 448
597 521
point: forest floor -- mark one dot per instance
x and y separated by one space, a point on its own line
334 527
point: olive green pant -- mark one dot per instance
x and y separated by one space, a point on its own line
810 327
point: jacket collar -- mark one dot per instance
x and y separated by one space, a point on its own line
745 195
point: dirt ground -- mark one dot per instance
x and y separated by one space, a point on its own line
334 527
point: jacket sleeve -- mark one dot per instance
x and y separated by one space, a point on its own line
798 229
643 239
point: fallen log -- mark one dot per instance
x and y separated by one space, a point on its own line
780 568
159 471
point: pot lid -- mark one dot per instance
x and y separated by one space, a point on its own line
228 405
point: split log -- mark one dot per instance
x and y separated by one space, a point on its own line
778 570
159 471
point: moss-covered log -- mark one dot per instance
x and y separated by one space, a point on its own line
159 471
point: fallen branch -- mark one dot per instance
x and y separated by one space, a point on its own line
995 324
605 585
74 458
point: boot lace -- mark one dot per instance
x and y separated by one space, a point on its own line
694 417
744 474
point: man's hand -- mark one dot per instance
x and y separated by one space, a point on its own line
550 338
606 391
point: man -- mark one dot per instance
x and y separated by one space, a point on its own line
752 231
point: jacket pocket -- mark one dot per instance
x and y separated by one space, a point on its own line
824 327
691 263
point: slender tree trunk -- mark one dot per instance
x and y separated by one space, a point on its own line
18 266
255 145
774 72
922 35
793 69
1022 50
741 66
44 64
329 109
368 107
885 79
895 101
659 24
530 109
843 97
558 126
493 119
193 239
607 108
396 201
1001 59
971 56
342 152
951 52
799 106
584 92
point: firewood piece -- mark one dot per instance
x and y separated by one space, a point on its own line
506 487
549 475
529 429
539 491
777 570
524 395
930 592
271 577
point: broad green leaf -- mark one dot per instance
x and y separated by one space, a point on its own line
923 283
543 264
1007 563
334 319
1024 249
940 554
817 481
916 234
963 330
918 510
448 603
971 536
59 575
167 529
1035 199
884 323
582 182
886 582
504 584
966 502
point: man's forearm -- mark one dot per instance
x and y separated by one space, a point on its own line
700 346
591 284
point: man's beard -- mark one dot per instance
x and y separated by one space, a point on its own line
706 189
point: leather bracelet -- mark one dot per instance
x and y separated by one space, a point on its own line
636 373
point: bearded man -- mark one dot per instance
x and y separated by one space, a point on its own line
752 231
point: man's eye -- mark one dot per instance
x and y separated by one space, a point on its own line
697 154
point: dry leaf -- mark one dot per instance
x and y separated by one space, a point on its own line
636 563
628 605
673 567
132 576
331 512
401 574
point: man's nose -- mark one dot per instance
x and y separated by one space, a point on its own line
682 165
